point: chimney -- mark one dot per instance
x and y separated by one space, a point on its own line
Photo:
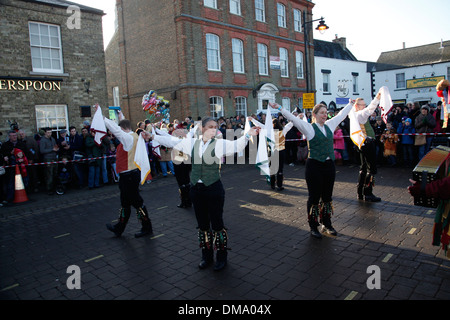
342 41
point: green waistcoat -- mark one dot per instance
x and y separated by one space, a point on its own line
207 167
369 129
321 147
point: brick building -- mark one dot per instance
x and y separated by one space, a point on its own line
52 64
209 57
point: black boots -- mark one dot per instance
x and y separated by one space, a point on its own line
220 244
184 196
278 179
145 221
208 242
322 213
124 216
365 187
118 228
313 220
326 213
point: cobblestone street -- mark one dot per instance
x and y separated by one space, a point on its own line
272 256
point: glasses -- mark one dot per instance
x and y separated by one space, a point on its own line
361 104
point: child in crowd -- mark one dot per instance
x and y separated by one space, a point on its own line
390 139
338 145
112 161
407 141
22 161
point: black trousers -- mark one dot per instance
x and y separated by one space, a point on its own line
129 189
208 204
368 155
182 173
291 151
319 178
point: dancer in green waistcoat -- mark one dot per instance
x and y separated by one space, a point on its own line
207 192
320 171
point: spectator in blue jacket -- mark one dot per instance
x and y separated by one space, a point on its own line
407 141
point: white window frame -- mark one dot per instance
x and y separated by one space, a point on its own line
237 46
241 105
281 15
284 62
263 67
260 11
299 65
286 103
215 103
210 3
235 7
52 116
116 97
297 20
45 47
400 83
213 52
355 84
326 82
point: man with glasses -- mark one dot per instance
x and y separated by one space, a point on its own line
367 152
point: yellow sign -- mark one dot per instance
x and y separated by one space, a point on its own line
423 82
308 100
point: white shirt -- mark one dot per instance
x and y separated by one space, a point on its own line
365 113
223 147
124 137
307 129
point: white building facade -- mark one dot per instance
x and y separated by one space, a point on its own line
413 84
339 75
411 74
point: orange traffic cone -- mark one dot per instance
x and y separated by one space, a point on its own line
20 195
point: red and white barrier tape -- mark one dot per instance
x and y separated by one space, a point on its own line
399 134
62 161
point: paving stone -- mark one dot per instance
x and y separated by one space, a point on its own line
272 256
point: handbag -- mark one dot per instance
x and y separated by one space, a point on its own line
420 140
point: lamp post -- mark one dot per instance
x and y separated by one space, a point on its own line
321 27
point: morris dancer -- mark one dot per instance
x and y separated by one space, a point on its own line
320 170
207 192
129 178
367 150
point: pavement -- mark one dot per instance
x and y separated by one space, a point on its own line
57 247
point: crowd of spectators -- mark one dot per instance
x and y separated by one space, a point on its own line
65 152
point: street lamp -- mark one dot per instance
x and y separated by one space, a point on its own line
321 28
